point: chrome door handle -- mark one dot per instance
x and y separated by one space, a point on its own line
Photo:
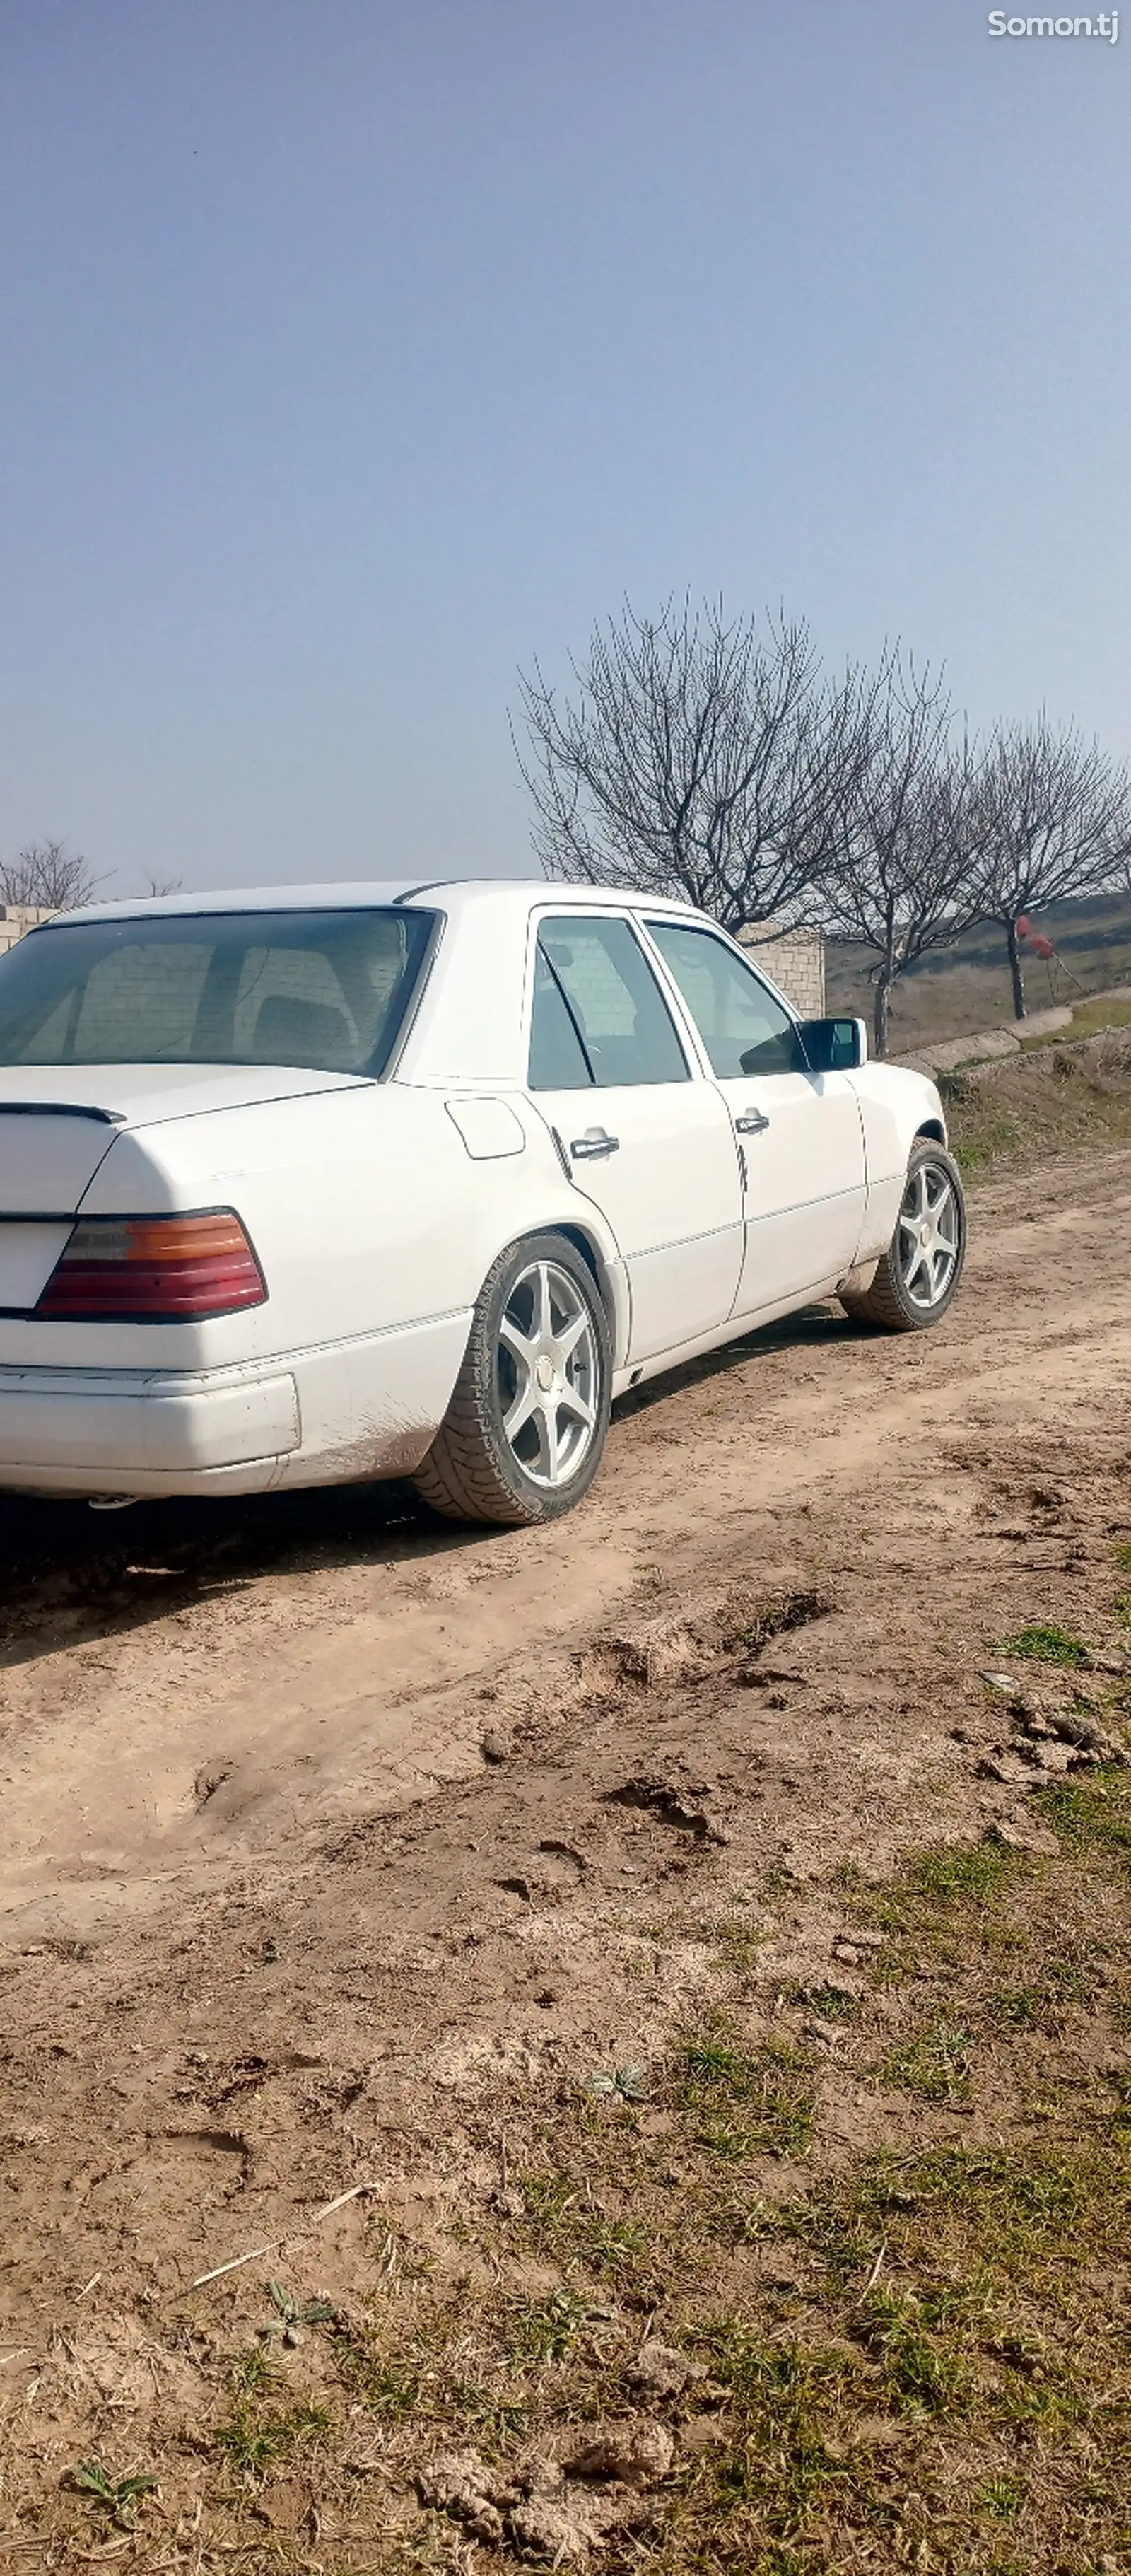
587 1148
751 1122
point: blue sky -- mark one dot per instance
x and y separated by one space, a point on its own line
356 351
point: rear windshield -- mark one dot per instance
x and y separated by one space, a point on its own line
324 989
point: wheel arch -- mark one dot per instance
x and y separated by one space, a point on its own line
605 1279
932 1127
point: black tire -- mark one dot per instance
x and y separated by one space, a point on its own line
473 1470
891 1302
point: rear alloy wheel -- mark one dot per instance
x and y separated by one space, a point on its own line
919 1272
524 1432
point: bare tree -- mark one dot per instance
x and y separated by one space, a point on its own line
904 885
48 875
697 759
1054 821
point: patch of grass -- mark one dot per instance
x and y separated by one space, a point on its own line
744 2104
119 2497
971 1873
988 1139
739 1943
830 2003
1008 2208
389 2386
780 2458
1089 1020
1043 2004
1092 1813
1002 2497
1047 1644
255 2437
934 1894
919 2368
253 2373
545 2330
933 2062
564 2220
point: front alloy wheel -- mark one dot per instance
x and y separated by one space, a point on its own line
929 1233
917 1277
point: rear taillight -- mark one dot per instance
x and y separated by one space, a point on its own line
160 1269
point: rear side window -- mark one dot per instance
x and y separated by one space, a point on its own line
328 990
599 1015
558 1061
744 1028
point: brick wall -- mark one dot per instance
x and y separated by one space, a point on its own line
795 962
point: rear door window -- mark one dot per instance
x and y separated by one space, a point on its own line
597 1005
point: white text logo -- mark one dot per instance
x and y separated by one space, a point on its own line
1106 26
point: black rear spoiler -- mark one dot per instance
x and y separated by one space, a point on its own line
61 1109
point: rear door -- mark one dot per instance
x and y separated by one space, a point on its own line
644 1135
799 1133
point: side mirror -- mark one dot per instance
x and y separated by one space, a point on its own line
834 1046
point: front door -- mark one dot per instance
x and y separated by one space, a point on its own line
799 1133
645 1135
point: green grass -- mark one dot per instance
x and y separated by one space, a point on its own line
934 1894
545 2330
1047 1645
1092 1813
253 2373
933 2062
830 2003
995 1139
389 2386
255 2438
745 2104
1089 1020
563 2220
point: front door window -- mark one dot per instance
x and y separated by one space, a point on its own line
799 1133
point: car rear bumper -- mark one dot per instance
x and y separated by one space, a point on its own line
109 1431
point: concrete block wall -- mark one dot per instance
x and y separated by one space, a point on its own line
795 961
15 918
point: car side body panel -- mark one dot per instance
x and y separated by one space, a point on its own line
896 1105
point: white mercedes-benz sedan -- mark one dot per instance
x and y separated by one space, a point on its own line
327 1182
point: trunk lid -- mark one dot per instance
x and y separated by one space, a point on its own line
58 1122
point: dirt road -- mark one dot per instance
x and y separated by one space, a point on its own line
198 1704
322 1825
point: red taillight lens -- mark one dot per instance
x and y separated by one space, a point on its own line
161 1269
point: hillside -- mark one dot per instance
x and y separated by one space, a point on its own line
967 987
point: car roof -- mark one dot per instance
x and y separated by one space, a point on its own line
446 894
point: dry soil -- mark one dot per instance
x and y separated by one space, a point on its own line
337 1844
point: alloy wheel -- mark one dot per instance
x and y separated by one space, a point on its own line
548 1374
930 1234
